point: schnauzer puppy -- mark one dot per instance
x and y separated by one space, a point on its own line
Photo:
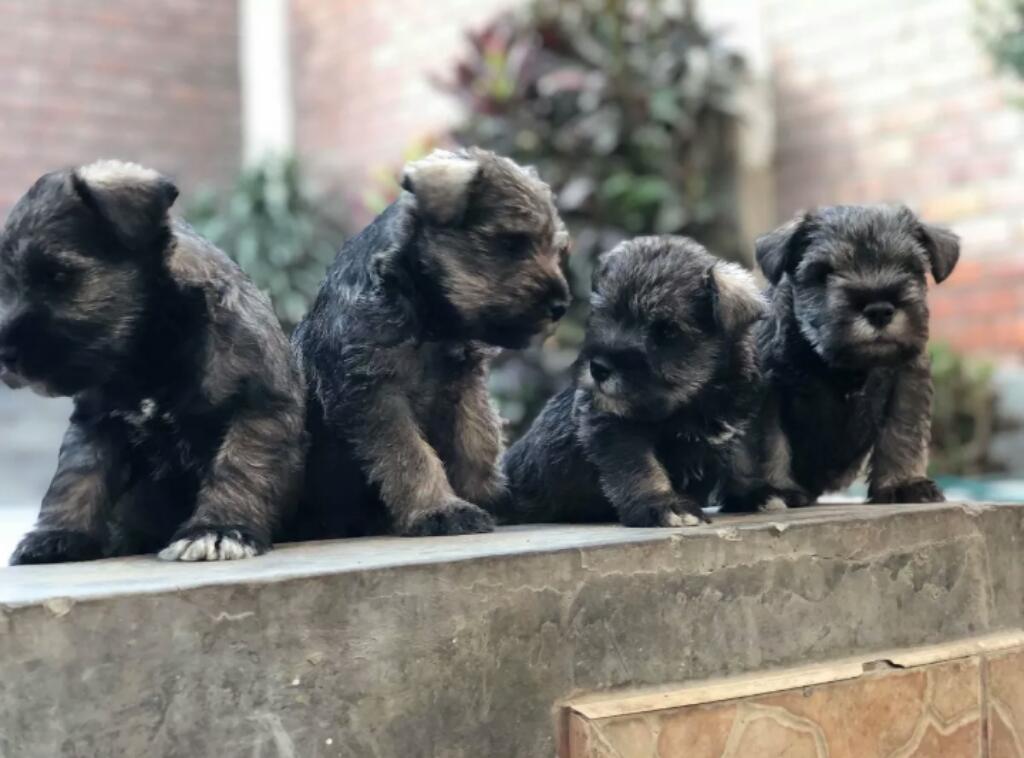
843 354
398 342
665 383
188 406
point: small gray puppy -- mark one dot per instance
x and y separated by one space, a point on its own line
843 354
189 407
665 383
398 343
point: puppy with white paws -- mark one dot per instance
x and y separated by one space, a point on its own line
187 433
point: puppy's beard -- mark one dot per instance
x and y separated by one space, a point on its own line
881 345
611 404
16 382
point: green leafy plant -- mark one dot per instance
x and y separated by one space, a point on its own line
271 225
963 413
1000 24
628 109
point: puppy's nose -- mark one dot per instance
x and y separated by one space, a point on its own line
557 310
880 313
599 370
8 356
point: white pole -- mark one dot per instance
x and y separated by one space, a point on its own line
265 70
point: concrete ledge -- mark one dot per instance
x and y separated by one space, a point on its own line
464 646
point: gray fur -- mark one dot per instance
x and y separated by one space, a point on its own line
843 352
664 385
398 344
189 407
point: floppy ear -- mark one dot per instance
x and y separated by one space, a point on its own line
132 199
943 248
779 252
735 297
442 183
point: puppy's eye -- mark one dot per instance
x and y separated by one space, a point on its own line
515 245
53 275
664 332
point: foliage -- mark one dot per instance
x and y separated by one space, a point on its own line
963 413
1000 25
271 225
628 109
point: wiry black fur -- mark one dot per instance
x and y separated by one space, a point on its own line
188 412
644 439
397 345
839 388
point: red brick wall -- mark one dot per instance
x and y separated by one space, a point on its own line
362 86
876 101
155 81
895 101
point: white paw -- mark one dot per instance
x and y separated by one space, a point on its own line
682 519
207 547
774 504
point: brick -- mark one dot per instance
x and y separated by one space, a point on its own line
150 80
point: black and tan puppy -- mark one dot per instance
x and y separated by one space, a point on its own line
187 432
843 353
665 383
397 346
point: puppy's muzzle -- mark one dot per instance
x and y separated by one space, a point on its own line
606 366
880 313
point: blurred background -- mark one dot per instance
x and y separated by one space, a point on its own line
286 122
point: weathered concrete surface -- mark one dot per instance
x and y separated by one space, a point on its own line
462 646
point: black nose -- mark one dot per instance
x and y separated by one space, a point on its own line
8 356
557 310
599 370
880 313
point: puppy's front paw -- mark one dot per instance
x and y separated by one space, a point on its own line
665 512
213 543
454 517
56 546
920 491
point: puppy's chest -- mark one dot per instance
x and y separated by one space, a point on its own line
694 454
166 439
837 423
435 376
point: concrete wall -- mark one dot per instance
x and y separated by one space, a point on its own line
465 646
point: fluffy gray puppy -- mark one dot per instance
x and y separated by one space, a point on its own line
189 407
843 352
664 385
398 344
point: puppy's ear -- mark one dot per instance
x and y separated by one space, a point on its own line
943 248
131 199
442 183
779 252
736 300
